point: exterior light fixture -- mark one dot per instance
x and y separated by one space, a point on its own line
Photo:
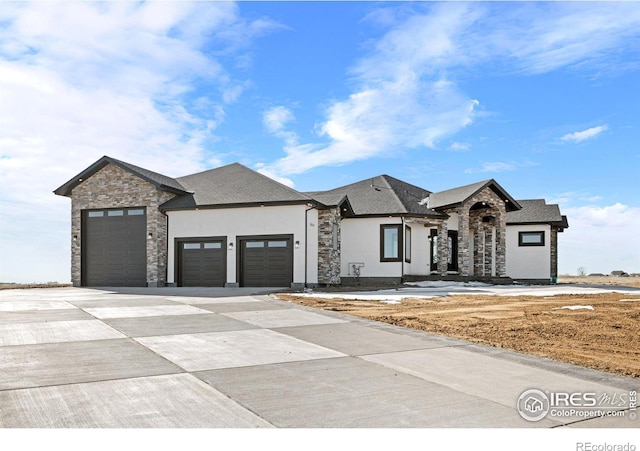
150 235
297 244
230 246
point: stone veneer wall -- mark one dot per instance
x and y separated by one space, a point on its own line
328 257
470 223
113 187
554 251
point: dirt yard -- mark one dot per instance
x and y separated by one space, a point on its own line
606 338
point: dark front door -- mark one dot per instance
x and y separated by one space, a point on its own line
114 247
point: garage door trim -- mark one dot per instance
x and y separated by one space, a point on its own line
113 212
179 242
241 240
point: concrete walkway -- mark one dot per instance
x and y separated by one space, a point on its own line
223 358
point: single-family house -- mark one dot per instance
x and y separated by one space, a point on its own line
232 226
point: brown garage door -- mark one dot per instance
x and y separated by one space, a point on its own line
266 262
114 248
202 263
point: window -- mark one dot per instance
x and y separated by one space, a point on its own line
213 245
250 244
115 213
531 238
407 244
96 214
191 246
334 236
277 244
135 212
390 240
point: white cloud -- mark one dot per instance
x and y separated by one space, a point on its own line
459 147
500 166
601 239
493 166
84 79
584 134
403 97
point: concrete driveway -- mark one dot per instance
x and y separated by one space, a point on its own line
223 358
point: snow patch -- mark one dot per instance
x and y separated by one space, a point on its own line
445 284
575 307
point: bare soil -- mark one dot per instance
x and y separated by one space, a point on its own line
606 338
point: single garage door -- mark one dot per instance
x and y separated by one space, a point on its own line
202 263
266 262
115 248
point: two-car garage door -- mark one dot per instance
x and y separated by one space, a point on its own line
261 261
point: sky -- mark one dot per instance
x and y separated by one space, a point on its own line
543 97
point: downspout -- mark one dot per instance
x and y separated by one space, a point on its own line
403 249
306 244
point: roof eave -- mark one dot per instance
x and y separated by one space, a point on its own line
67 188
311 203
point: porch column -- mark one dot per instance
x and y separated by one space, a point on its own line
488 250
443 248
501 243
478 248
464 255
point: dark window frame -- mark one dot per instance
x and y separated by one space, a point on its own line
540 233
407 244
398 228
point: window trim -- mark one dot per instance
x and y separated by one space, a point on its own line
398 228
407 244
539 233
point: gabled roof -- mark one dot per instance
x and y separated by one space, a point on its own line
381 195
162 182
537 211
230 185
457 196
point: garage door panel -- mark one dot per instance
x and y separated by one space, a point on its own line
202 263
114 248
266 262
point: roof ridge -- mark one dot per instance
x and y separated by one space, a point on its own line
395 194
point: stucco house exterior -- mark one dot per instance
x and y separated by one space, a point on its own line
232 226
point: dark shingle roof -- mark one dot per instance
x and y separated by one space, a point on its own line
381 195
232 185
458 195
162 182
537 211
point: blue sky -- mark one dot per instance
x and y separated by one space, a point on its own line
541 96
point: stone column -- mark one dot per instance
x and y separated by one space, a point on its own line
501 242
443 248
464 257
328 255
478 248
488 250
